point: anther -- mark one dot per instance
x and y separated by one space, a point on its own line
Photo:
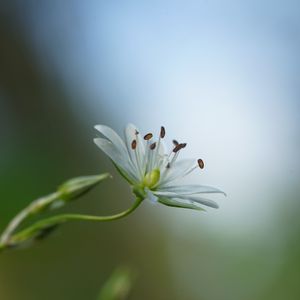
183 145
175 143
148 136
136 132
133 144
179 147
200 163
168 166
152 146
162 132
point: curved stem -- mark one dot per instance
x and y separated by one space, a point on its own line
51 222
34 207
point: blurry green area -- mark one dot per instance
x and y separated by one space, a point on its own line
118 285
43 143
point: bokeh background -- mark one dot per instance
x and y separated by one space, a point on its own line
222 76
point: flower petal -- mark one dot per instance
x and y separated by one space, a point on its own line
190 189
132 133
176 171
151 196
179 204
200 200
116 156
113 137
190 197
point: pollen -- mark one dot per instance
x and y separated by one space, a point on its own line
152 146
162 132
148 136
179 147
133 144
200 163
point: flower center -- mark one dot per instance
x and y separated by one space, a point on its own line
151 178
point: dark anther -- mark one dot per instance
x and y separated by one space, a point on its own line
162 132
175 143
200 163
148 136
179 147
152 146
133 144
136 132
168 166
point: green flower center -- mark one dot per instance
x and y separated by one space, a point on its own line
151 178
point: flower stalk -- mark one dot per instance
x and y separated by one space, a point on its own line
41 227
69 191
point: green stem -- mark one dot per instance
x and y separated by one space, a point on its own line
59 219
32 209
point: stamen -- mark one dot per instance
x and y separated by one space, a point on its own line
136 132
156 157
200 163
150 162
133 144
179 147
162 132
148 136
175 143
152 146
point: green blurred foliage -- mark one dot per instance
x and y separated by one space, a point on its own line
118 285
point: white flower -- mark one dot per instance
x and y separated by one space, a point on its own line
153 172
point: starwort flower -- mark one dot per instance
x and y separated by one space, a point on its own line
153 172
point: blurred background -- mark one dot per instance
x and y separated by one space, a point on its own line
222 76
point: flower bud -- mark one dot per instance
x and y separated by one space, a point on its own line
76 187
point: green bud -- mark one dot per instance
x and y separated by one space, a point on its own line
30 235
76 187
152 178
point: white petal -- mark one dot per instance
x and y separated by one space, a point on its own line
113 137
161 156
162 148
118 158
130 135
178 203
190 189
200 200
177 170
190 198
151 196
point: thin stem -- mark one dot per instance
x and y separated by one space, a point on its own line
59 219
33 208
